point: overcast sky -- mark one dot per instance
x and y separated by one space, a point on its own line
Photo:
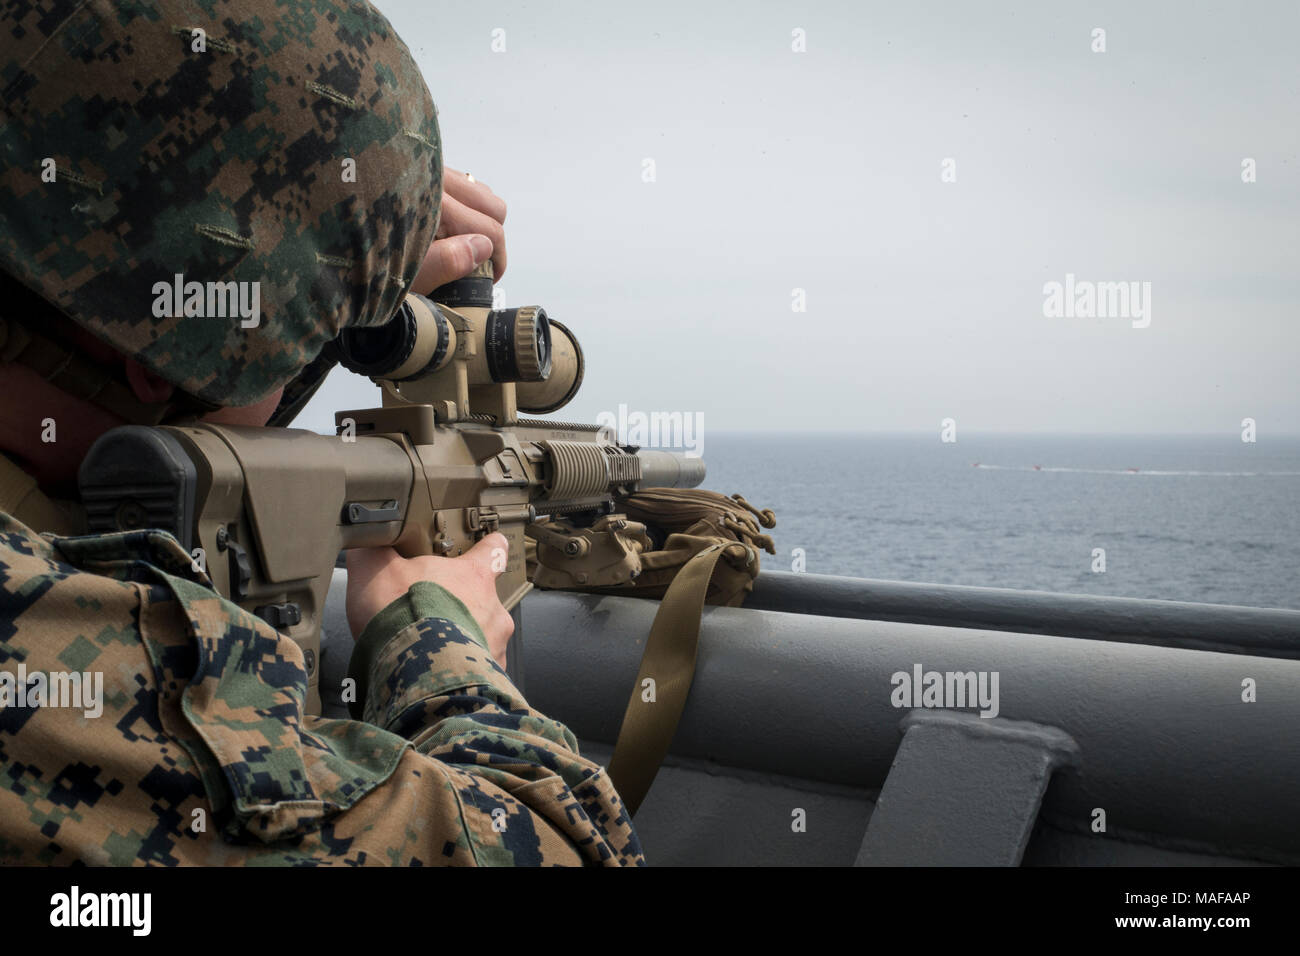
778 170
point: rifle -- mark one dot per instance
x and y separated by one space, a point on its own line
443 462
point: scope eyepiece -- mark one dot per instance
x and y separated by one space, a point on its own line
414 343
374 351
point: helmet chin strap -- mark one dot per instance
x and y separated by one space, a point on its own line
69 370
303 386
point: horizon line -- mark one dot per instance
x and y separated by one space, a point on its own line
977 431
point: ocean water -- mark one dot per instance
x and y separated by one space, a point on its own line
1209 519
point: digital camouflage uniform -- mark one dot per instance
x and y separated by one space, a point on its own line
225 164
203 710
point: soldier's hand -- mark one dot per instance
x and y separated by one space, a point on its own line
470 230
379 576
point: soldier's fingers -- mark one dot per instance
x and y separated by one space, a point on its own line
474 194
490 553
450 259
458 219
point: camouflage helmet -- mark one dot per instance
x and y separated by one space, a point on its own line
284 156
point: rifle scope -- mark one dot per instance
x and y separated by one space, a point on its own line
494 346
421 339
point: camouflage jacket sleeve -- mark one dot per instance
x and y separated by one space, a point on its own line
423 671
146 720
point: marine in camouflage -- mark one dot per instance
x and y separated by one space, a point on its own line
292 144
217 140
202 753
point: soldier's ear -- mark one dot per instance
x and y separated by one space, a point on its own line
147 386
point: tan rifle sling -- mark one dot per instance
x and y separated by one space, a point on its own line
669 661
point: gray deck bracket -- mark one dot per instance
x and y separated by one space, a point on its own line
963 790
